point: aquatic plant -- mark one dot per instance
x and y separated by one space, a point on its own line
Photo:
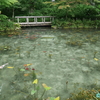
17 51
50 55
94 55
85 95
75 43
28 53
93 40
36 90
31 70
5 48
88 36
33 37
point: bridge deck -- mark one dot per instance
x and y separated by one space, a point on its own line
35 24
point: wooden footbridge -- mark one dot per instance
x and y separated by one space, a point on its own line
35 20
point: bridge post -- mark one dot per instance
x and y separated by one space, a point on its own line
44 19
18 20
35 19
27 20
52 18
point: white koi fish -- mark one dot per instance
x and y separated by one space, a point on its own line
1 67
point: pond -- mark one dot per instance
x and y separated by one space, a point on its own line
65 60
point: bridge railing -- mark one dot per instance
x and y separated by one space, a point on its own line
51 18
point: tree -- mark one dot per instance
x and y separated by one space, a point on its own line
30 5
6 3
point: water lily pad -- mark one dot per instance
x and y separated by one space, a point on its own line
22 70
33 91
51 98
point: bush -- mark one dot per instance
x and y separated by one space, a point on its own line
5 24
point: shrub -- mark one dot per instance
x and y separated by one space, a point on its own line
5 24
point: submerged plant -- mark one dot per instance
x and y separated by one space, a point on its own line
94 55
28 53
36 90
5 48
50 55
17 51
84 95
75 43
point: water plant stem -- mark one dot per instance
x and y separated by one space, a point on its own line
95 54
14 70
42 94
34 89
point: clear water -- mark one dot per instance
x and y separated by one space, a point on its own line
64 67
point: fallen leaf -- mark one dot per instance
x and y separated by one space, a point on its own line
46 87
26 74
96 59
82 57
35 81
38 73
25 65
10 67
50 98
58 98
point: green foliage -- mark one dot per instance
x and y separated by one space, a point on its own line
5 24
72 23
2 17
76 10
81 11
6 3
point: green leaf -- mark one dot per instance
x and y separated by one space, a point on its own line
51 98
33 91
7 3
22 70
48 88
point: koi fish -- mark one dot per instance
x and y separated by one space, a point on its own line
1 67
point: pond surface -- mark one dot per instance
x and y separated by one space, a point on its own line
65 60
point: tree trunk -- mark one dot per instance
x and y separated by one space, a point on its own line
13 14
